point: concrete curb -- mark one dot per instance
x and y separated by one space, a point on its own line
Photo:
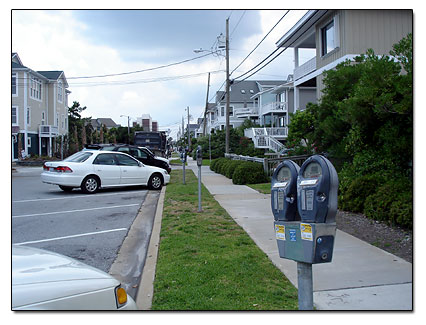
146 286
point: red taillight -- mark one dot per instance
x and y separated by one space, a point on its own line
45 167
63 169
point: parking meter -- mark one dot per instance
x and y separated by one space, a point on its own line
199 156
317 187
183 156
284 191
306 235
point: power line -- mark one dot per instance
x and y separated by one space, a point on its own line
144 70
271 55
151 80
238 22
260 42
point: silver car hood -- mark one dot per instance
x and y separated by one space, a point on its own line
32 265
39 275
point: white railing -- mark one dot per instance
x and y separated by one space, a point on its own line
265 138
279 107
48 130
305 68
274 132
246 111
267 142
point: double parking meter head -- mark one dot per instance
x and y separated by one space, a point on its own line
317 187
304 205
199 156
284 191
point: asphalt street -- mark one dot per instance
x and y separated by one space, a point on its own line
90 228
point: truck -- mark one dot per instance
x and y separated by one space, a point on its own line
156 141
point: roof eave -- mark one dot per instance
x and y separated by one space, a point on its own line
300 28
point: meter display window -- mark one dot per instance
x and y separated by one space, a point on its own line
313 170
284 174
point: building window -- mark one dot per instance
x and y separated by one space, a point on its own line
43 118
60 91
35 88
29 142
63 121
231 111
222 111
14 84
327 38
14 115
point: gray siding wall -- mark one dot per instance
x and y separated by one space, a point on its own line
307 96
360 30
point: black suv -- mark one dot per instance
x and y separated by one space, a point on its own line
140 153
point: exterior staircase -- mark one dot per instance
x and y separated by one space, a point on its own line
266 138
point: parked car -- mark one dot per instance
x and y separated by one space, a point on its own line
142 154
43 280
94 169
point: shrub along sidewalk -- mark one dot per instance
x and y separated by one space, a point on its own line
208 262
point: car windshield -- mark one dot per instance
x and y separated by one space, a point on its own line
79 156
149 151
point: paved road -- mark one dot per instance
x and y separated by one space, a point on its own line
90 228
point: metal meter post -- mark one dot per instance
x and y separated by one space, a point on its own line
183 159
199 164
304 204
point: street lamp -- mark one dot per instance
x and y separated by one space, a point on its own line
128 127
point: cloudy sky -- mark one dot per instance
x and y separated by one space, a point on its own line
123 43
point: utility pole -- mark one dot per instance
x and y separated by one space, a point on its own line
207 105
227 88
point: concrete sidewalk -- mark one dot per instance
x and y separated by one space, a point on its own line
360 277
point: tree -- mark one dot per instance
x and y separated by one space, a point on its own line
76 124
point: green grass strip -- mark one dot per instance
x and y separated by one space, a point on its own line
264 188
208 262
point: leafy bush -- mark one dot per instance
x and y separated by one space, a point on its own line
393 203
353 198
229 167
217 163
249 173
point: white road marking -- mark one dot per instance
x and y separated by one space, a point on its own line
75 197
73 211
72 236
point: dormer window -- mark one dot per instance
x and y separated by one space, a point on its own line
243 91
251 91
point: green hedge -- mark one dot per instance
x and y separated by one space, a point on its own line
241 172
392 202
358 190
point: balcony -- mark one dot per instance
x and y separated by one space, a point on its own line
305 68
274 107
246 112
48 131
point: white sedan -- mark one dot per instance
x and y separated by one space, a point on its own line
43 280
91 170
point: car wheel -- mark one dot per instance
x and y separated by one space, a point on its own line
65 188
90 185
155 182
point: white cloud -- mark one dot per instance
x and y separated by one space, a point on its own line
55 40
